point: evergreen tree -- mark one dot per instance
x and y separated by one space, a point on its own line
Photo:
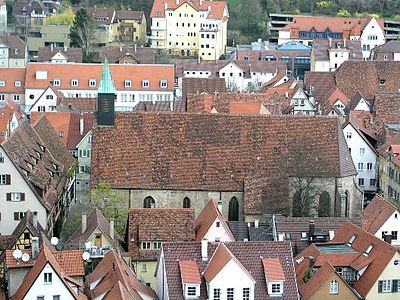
82 31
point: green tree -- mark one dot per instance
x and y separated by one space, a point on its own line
343 13
82 31
65 18
112 204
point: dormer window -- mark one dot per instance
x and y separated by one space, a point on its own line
16 51
127 83
56 82
145 83
353 237
146 245
369 249
92 82
275 288
74 82
163 84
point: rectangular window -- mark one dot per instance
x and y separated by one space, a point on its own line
276 288
362 151
191 291
16 197
394 235
18 215
230 293
348 135
146 245
1 158
56 82
246 293
74 82
128 83
144 267
334 287
40 298
56 297
48 278
163 84
361 181
369 166
217 294
16 98
5 179
360 166
145 83
156 245
41 108
92 82
384 286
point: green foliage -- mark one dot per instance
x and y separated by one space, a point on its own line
65 18
112 203
343 13
82 31
72 170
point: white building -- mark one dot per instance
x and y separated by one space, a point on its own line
3 17
13 52
301 103
133 83
364 157
382 219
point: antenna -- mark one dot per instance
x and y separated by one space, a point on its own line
25 257
17 254
54 241
85 256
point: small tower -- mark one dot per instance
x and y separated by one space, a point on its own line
105 98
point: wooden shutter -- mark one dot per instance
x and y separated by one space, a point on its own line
16 216
395 284
22 196
88 153
380 286
8 179
8 196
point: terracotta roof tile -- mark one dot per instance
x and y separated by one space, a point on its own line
200 85
141 54
228 150
189 271
71 262
174 106
387 106
112 271
158 225
249 254
273 269
45 54
248 108
10 76
376 214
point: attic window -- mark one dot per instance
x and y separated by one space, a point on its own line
353 237
381 81
17 83
61 134
92 82
74 82
127 83
145 83
56 82
275 288
369 249
163 84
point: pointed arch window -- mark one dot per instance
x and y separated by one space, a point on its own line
233 214
186 202
149 202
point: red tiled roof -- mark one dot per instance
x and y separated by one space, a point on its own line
112 271
273 269
71 262
12 263
249 254
189 271
45 257
248 108
85 72
395 149
216 7
376 214
206 218
222 152
10 76
158 225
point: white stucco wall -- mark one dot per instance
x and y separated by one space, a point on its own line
232 276
371 30
57 287
7 208
218 232
392 224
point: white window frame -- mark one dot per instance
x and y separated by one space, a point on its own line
56 81
127 83
2 83
16 197
163 84
17 83
362 151
334 287
146 245
273 286
92 82
348 135
360 166
48 278
74 82
230 293
16 97
246 293
145 83
386 286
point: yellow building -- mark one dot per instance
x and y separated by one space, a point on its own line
130 27
190 28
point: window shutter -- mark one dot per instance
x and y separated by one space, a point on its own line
88 153
8 179
380 286
8 196
16 216
80 153
22 196
395 284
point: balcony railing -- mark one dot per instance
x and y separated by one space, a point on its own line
97 252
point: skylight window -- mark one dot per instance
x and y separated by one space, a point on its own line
352 239
369 249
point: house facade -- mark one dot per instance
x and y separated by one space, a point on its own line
13 52
190 28
133 83
388 51
364 157
84 148
308 28
12 86
3 17
130 27
301 103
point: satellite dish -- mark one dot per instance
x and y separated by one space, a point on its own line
17 254
85 256
54 241
25 257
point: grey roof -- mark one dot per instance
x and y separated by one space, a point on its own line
321 48
129 15
45 54
14 42
247 231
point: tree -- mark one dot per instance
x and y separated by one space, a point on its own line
343 13
82 31
65 18
112 204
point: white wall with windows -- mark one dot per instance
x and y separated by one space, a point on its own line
372 36
392 227
217 232
364 158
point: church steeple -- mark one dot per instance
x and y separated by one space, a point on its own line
106 97
106 82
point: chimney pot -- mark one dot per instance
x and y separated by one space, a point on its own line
204 250
311 229
34 220
81 124
84 224
35 247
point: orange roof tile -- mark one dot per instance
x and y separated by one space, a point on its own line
248 108
3 128
71 262
337 94
216 7
395 149
85 72
10 76
12 263
206 218
189 271
376 214
273 269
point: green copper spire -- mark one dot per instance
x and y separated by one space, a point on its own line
106 82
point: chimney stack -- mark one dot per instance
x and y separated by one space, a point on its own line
51 47
84 223
177 2
204 250
135 48
256 221
81 124
65 48
344 43
35 247
330 42
34 219
112 229
311 230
